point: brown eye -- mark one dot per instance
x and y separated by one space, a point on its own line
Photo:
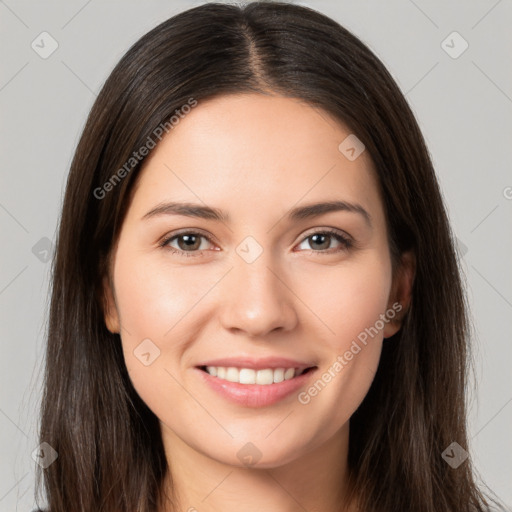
321 241
188 242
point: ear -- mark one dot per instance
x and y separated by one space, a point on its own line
401 292
109 307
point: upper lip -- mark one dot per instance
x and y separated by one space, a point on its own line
257 364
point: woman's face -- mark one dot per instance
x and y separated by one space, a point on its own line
247 272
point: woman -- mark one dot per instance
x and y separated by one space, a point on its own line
203 352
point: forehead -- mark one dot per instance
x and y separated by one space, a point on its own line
248 151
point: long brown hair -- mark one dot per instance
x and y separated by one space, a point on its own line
110 452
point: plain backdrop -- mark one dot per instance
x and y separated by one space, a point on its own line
450 59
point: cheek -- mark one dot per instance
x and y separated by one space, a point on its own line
347 299
152 305
149 305
162 313
152 298
352 309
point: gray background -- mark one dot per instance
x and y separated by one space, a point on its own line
464 108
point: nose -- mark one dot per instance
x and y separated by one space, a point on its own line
257 299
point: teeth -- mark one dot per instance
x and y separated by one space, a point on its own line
248 376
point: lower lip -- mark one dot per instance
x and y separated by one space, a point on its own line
255 395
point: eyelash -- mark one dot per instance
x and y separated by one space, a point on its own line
346 242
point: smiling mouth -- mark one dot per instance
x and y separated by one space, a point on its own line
265 376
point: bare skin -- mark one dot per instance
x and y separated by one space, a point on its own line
254 157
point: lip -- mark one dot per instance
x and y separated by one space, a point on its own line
258 364
254 395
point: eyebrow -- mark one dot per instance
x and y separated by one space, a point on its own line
298 213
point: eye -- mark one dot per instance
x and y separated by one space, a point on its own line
189 243
322 240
